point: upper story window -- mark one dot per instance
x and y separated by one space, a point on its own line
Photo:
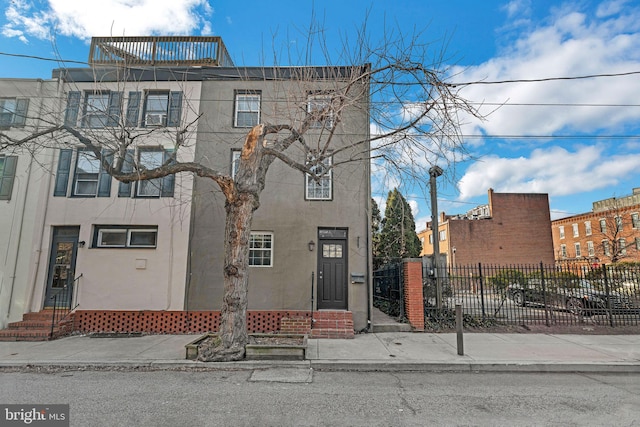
635 220
578 253
576 232
90 179
247 109
320 108
606 248
13 112
7 175
561 230
563 251
590 249
587 228
150 159
618 223
622 245
603 225
443 235
320 186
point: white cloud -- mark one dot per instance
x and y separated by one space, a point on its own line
573 44
556 171
84 19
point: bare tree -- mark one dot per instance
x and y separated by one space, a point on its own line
618 234
414 121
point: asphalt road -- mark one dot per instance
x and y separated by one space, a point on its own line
302 398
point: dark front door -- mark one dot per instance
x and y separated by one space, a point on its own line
62 265
332 273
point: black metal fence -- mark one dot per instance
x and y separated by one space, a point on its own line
388 288
536 294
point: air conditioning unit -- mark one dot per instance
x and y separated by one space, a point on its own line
155 119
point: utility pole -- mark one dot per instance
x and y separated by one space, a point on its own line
434 172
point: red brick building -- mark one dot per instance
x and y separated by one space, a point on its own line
514 228
609 233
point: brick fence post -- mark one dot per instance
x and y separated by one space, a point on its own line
413 298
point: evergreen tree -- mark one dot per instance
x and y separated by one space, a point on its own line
398 238
376 223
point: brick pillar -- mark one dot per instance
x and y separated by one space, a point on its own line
414 301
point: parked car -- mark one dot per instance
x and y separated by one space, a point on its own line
581 297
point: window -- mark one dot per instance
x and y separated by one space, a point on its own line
635 220
261 249
90 179
563 251
637 240
320 186
587 228
561 229
576 232
7 176
235 161
590 249
13 112
622 244
618 223
603 225
331 250
320 108
606 248
431 239
443 235
150 159
161 108
578 254
247 109
96 110
116 236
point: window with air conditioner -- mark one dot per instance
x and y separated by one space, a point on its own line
156 109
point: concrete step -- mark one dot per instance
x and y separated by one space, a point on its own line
331 333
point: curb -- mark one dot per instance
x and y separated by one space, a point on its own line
325 366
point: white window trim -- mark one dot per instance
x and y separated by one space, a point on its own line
576 230
127 232
591 251
270 250
578 250
235 158
325 99
561 230
587 228
246 95
328 161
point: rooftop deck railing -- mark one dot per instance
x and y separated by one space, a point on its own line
159 51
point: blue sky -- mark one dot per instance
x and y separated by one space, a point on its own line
577 140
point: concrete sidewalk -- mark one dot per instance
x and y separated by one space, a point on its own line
388 351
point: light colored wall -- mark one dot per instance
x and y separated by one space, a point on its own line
113 279
19 216
283 209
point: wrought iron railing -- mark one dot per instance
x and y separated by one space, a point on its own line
538 294
64 302
388 289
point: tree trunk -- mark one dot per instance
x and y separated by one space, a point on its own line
241 202
233 322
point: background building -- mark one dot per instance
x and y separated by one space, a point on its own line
609 233
513 228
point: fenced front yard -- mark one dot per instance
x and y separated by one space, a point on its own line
519 295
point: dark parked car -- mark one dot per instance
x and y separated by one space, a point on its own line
580 297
